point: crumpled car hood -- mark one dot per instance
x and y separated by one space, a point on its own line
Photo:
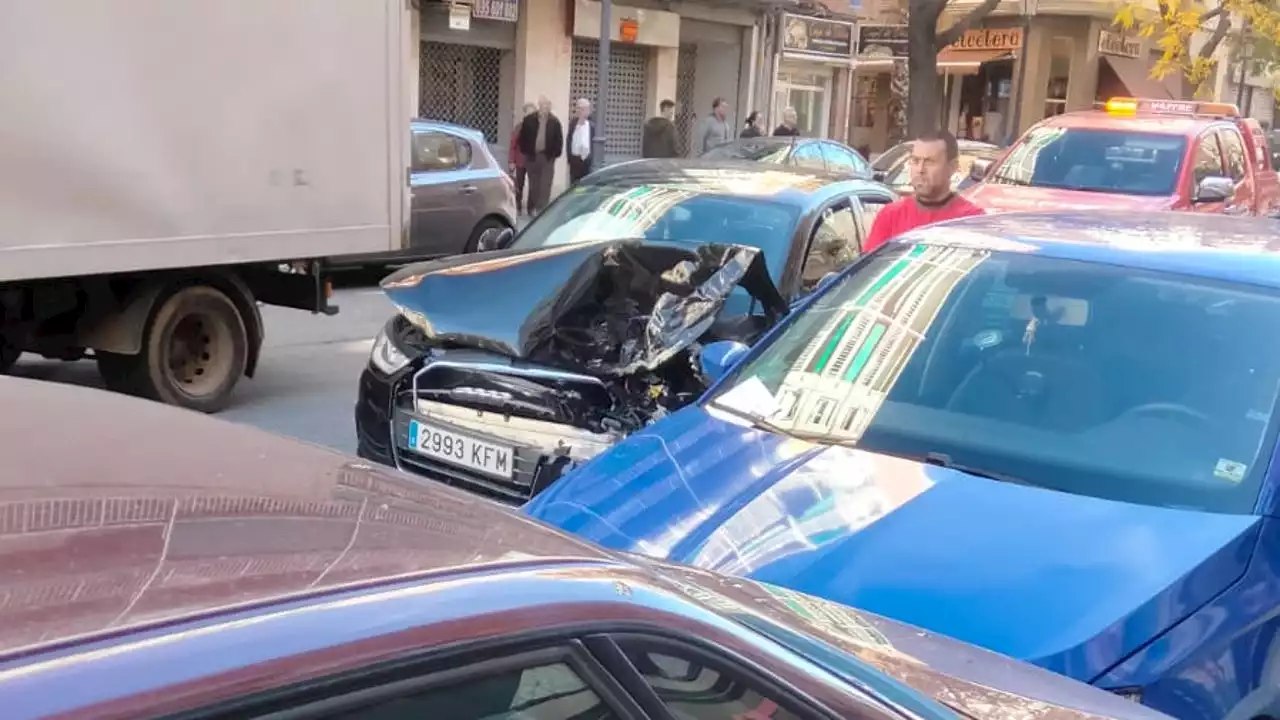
607 308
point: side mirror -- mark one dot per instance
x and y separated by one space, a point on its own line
978 170
1215 189
879 175
495 241
718 358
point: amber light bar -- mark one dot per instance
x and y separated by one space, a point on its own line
1133 106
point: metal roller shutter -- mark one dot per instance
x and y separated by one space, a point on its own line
460 84
685 112
628 90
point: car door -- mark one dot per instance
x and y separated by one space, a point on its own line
1206 162
809 156
845 161
1237 163
445 197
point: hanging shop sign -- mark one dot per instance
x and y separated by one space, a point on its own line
882 41
504 10
628 29
817 37
1004 39
459 16
1114 43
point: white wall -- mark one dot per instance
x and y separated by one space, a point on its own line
718 69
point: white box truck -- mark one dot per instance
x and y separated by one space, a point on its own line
166 165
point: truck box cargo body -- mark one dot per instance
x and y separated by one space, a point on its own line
148 146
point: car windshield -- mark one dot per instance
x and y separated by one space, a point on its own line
1106 161
1087 378
762 150
594 212
892 157
900 176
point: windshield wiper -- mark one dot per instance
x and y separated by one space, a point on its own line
760 423
944 460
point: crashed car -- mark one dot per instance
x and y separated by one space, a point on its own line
504 369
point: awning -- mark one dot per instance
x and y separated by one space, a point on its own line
1135 75
967 62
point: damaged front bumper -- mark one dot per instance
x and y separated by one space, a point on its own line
490 452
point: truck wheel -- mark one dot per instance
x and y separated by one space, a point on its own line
194 351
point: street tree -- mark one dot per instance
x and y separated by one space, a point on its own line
924 42
1175 24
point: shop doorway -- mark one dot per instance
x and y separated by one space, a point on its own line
810 94
986 103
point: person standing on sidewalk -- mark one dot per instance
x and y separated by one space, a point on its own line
934 159
542 142
789 126
659 139
582 132
515 158
752 127
712 130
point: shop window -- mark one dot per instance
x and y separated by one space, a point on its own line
865 88
1055 102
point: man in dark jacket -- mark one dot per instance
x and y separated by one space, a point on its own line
659 139
542 142
788 128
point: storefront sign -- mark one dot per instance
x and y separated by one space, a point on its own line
989 39
882 41
459 17
816 36
1112 43
504 10
628 29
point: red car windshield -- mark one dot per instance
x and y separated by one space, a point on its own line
1104 161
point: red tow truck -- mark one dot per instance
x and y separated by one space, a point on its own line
1138 154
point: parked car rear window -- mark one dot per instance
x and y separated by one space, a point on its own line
1107 161
1088 378
762 150
589 213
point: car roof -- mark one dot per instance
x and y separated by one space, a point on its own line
1219 247
801 187
146 513
1140 122
469 132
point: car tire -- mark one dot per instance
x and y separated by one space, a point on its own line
8 356
194 351
487 227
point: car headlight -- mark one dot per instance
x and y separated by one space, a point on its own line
385 356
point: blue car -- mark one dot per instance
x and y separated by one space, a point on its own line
1051 435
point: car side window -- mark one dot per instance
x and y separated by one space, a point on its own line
436 152
870 206
809 155
1208 158
549 691
692 686
1234 153
835 244
843 160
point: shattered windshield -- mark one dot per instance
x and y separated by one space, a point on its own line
1106 161
1088 378
593 212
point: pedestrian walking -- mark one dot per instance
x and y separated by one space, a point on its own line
542 142
712 130
934 160
659 139
790 124
582 134
515 157
752 129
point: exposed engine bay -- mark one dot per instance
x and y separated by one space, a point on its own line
608 339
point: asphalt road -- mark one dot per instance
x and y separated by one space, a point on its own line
305 386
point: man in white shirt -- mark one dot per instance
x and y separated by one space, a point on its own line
581 135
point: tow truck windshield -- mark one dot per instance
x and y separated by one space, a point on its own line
1104 161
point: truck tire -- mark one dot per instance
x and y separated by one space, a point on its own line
194 350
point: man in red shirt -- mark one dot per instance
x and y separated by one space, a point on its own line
934 159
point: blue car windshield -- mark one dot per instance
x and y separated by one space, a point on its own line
1106 161
593 212
1088 378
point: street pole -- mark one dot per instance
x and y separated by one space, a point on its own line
602 85
1015 127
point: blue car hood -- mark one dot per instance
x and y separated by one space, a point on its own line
1071 583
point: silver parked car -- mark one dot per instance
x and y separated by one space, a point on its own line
463 198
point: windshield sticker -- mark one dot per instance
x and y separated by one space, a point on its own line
751 397
1230 470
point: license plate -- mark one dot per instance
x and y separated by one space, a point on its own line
462 450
